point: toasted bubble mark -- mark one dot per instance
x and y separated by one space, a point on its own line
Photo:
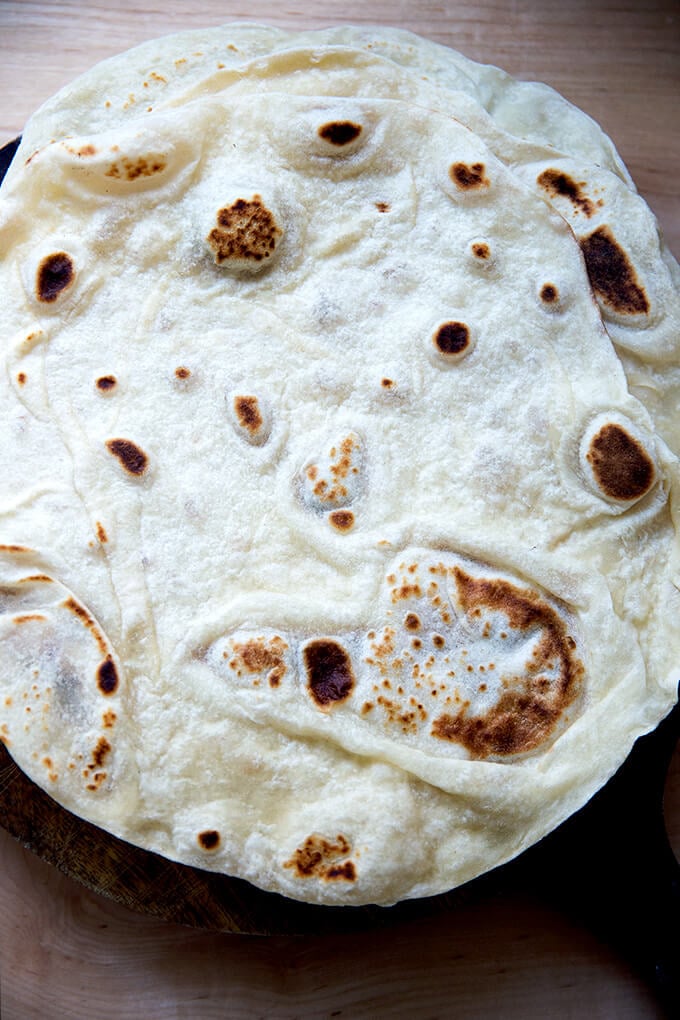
54 276
481 250
612 275
330 677
412 621
100 752
531 704
107 676
341 520
319 857
621 466
126 169
261 656
383 206
549 293
182 372
334 481
131 456
209 840
106 383
109 719
452 339
340 132
469 177
101 532
14 548
27 617
87 621
247 410
246 231
21 378
557 183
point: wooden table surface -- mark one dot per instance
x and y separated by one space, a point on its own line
68 953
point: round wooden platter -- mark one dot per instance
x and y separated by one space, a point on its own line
151 884
617 888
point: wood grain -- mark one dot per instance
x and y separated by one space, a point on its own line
617 61
66 952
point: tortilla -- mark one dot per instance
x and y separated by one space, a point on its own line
322 477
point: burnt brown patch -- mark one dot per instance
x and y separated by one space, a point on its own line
549 294
107 676
248 414
452 339
341 520
340 132
87 621
557 183
27 617
622 467
611 273
319 857
130 169
21 378
383 206
55 275
101 532
469 177
261 655
531 705
480 250
209 840
182 372
132 457
106 383
412 621
330 677
246 231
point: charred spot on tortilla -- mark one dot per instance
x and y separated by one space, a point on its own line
248 413
130 169
107 676
412 621
611 273
621 466
341 520
383 206
452 340
330 677
469 177
556 183
54 276
340 132
106 383
209 839
246 232
21 378
481 250
549 294
132 457
319 857
532 704
182 372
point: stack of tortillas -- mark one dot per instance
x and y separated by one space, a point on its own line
339 483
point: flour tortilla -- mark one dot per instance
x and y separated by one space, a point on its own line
337 553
